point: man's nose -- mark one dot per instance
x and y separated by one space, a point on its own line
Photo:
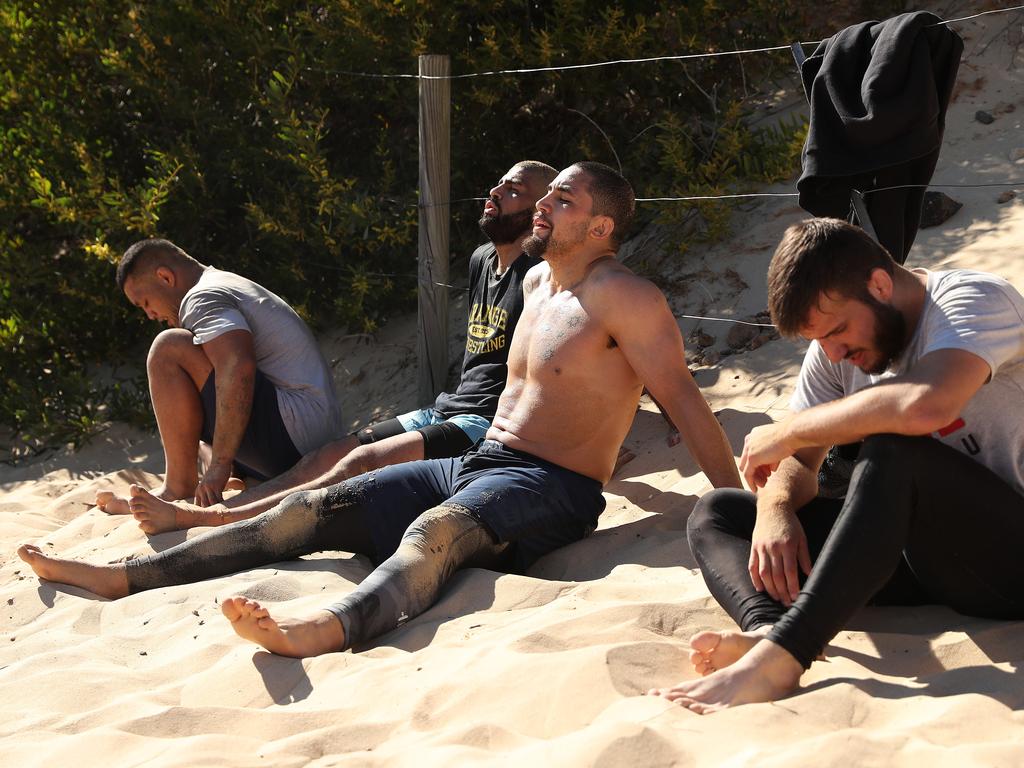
834 351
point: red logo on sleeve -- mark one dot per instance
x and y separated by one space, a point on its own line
949 429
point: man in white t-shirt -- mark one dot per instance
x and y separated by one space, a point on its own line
237 370
927 368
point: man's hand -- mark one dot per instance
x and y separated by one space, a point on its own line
778 547
211 486
763 448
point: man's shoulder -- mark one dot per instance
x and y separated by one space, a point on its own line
215 281
218 290
620 298
968 293
535 274
945 282
483 253
613 279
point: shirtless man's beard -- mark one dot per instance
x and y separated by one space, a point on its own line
554 245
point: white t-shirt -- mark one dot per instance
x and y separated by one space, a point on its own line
285 349
974 311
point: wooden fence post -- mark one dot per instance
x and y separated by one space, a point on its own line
434 219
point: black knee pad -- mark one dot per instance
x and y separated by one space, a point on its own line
381 431
444 441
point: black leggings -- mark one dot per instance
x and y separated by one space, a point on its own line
437 543
921 522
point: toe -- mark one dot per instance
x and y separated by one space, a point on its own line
705 642
694 706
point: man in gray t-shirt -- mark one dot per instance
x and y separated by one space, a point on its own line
927 368
237 370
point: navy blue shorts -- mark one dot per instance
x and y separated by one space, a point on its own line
267 449
532 504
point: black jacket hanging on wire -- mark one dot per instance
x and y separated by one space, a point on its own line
878 94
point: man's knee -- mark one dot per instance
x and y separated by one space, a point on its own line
362 459
444 522
449 530
174 346
721 509
289 525
329 455
297 508
888 448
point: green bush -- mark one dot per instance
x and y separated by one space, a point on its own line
229 128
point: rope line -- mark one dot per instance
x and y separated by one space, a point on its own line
727 320
982 13
746 195
945 186
562 68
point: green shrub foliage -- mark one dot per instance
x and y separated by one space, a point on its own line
231 128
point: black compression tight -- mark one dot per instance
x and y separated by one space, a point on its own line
916 511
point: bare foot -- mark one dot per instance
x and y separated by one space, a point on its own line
155 515
109 581
235 484
111 504
298 638
119 505
767 673
717 650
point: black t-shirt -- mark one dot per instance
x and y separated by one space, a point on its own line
495 304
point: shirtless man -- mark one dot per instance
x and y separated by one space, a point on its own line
454 423
928 369
591 335
237 369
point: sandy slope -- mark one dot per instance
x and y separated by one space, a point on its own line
516 670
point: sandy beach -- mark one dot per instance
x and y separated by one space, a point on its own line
544 669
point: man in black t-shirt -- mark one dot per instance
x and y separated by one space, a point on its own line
456 421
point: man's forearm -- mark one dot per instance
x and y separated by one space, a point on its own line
708 444
792 486
235 385
901 408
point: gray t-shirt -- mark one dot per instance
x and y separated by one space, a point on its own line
974 311
286 352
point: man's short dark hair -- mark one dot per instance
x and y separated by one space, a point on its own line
820 256
536 168
145 254
612 196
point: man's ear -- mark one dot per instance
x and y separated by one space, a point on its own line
880 285
166 275
601 227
